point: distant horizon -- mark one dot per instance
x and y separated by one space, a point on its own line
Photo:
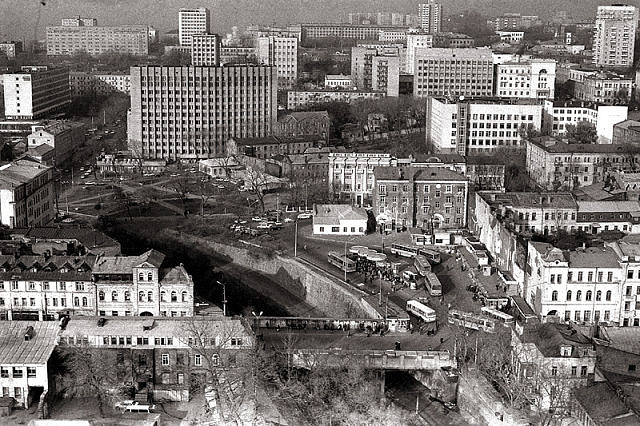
24 19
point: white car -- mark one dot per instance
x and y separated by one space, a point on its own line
304 216
257 219
120 405
288 220
264 225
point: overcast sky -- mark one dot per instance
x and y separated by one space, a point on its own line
22 19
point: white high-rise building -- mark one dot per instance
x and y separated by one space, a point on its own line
430 16
205 50
282 53
614 35
416 40
190 22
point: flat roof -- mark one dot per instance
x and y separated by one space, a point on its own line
14 349
608 206
417 174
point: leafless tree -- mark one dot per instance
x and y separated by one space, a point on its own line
181 186
255 183
206 191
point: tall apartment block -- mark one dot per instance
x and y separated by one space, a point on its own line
191 112
190 22
416 40
430 16
84 35
35 92
363 57
205 50
453 72
614 36
280 52
385 74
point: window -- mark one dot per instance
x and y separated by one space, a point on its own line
184 296
569 296
554 296
76 301
163 296
215 360
588 296
576 316
609 276
140 276
150 276
114 296
4 372
174 296
607 315
79 286
608 297
141 296
180 378
553 278
17 372
583 370
150 296
101 296
579 276
197 360
127 296
579 295
554 371
165 359
574 370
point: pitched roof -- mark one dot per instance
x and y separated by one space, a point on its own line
175 275
608 206
421 174
332 214
14 349
560 200
603 405
560 147
20 172
125 264
626 339
61 127
89 237
549 337
590 257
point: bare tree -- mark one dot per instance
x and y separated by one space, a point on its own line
205 191
255 182
181 186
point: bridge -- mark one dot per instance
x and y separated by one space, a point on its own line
373 359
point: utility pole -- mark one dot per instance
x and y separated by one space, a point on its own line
295 240
224 298
345 258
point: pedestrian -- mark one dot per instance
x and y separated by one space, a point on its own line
441 340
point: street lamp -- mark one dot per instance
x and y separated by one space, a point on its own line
295 240
224 298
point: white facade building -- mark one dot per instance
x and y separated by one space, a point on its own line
392 35
35 92
534 79
205 50
614 37
96 40
26 194
337 80
511 37
430 16
339 219
416 40
190 22
560 114
282 53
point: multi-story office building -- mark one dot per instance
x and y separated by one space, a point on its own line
348 31
79 22
480 126
95 40
35 92
582 285
301 98
614 36
556 164
430 16
292 30
604 88
26 194
423 197
10 48
84 83
282 53
205 50
416 40
190 22
453 72
238 55
191 112
453 40
385 74
513 21
533 78
558 115
362 58
391 36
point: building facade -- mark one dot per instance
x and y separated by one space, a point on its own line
453 72
96 40
304 123
339 219
35 92
64 137
427 198
191 112
604 88
26 194
453 40
430 16
191 22
529 79
332 81
297 99
626 132
558 115
84 83
347 31
271 145
10 48
614 36
385 75
282 53
475 127
416 40
363 58
205 50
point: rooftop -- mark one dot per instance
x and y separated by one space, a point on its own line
421 174
458 53
626 339
332 214
20 172
276 140
549 337
628 124
554 146
61 126
125 264
560 200
302 115
590 257
603 405
14 349
608 206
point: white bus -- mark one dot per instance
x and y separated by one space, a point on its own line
498 315
422 265
421 311
433 285
431 255
471 320
341 261
403 250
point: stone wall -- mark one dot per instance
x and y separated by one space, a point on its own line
307 282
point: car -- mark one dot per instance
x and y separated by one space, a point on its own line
304 216
221 186
120 405
264 225
257 219
174 174
288 220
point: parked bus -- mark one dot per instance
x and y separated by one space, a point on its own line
421 311
498 315
341 261
472 321
422 265
403 250
431 255
433 285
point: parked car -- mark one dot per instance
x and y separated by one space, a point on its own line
304 216
264 225
288 220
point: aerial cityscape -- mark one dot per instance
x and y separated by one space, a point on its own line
319 213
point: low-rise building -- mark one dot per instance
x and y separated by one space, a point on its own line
428 198
271 145
604 88
554 164
626 133
26 194
337 80
582 285
126 163
339 219
601 216
25 359
304 123
485 172
618 350
64 137
86 240
453 40
302 98
164 358
628 251
602 404
553 359
511 37
528 78
222 167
